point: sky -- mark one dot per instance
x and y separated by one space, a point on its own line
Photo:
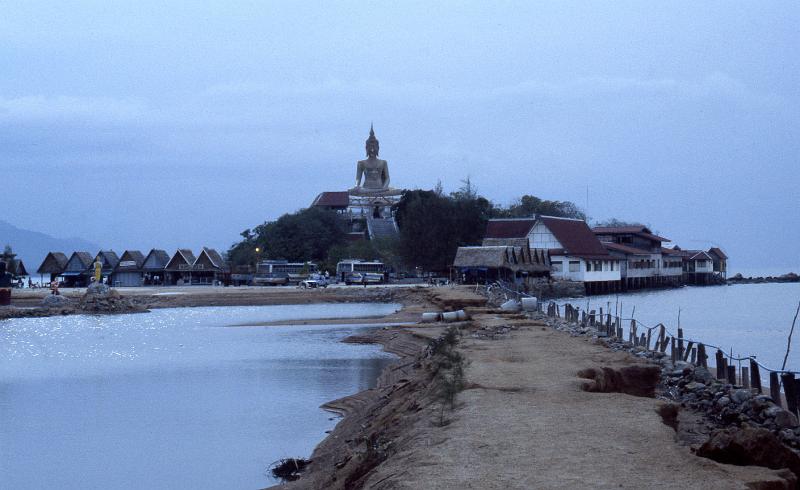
168 124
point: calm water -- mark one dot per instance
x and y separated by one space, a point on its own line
174 398
751 319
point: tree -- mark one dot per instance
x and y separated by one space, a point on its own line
528 206
433 226
306 235
616 223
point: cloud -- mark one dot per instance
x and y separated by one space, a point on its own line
62 108
713 85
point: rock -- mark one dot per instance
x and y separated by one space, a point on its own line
749 446
741 396
695 386
785 420
97 288
702 375
772 411
723 402
55 301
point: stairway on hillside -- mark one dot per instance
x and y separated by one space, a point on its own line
382 228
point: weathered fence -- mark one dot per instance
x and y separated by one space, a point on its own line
740 371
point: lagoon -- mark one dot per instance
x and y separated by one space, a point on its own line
174 398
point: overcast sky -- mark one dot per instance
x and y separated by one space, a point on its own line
139 124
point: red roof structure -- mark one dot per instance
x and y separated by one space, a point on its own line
718 252
576 237
617 247
639 230
509 228
332 199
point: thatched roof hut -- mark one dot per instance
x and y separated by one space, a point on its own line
54 264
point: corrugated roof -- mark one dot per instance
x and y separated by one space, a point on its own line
509 228
576 237
641 231
496 257
333 199
616 247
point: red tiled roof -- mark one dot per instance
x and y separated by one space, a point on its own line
616 247
641 231
576 237
509 228
333 199
718 252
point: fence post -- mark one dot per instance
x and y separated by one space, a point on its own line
673 351
732 374
745 377
720 365
688 352
790 390
775 388
702 358
647 345
680 343
755 377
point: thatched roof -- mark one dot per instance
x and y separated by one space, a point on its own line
108 258
130 260
209 259
156 260
79 262
53 263
500 257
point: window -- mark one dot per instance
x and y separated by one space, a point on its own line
588 266
574 266
557 266
612 265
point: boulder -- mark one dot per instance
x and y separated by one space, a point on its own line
741 396
702 375
55 301
749 446
785 420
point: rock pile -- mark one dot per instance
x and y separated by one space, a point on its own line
729 405
109 301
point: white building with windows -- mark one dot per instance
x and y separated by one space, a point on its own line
575 252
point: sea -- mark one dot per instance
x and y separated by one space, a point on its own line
197 398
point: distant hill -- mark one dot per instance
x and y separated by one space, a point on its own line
32 246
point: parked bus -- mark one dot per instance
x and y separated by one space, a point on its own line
282 272
355 271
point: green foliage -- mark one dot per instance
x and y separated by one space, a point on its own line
306 235
614 222
432 226
528 206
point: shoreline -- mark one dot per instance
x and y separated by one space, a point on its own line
511 419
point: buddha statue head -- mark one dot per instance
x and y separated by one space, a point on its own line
372 143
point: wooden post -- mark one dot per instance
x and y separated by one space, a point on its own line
591 318
680 343
755 377
720 365
643 342
775 388
745 377
790 390
673 351
702 358
647 345
694 356
662 333
619 332
688 351
663 346
732 374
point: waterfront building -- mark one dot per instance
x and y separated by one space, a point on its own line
53 265
639 251
128 272
208 268
574 252
77 272
367 207
720 261
109 259
487 263
178 270
698 266
153 267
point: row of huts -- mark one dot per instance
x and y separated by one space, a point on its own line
133 268
604 259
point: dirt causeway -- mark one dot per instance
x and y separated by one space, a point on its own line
524 421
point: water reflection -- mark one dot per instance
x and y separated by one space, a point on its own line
165 400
